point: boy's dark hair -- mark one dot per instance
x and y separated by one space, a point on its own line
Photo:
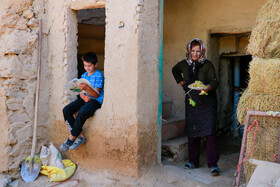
90 57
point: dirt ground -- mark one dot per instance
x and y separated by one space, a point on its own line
164 175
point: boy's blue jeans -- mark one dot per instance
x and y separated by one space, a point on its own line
85 111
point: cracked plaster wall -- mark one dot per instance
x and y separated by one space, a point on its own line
18 72
148 79
122 136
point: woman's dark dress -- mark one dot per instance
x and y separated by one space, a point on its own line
201 119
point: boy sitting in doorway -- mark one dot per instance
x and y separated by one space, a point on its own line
86 105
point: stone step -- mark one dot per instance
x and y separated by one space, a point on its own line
166 107
173 128
175 150
166 110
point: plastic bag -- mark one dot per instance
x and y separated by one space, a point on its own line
59 174
50 156
44 155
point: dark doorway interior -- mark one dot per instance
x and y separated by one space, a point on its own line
227 75
91 36
240 67
244 74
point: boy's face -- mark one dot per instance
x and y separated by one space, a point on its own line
89 67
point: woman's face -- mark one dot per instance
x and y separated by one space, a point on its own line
195 52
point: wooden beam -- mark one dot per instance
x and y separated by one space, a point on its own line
234 54
87 4
230 31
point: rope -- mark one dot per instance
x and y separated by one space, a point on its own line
275 157
246 109
263 81
67 181
251 149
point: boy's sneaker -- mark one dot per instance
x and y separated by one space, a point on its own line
77 142
215 171
65 146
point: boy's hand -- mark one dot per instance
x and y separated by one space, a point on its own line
83 86
82 95
93 93
87 98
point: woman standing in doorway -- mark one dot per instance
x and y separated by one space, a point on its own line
200 119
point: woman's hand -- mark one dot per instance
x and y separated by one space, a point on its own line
184 85
182 82
207 89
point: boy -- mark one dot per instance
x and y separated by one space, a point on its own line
87 104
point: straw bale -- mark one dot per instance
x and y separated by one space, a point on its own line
265 76
249 169
272 143
265 36
257 102
266 144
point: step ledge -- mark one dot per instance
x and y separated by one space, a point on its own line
173 119
176 141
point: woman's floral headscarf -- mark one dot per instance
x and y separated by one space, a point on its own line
203 50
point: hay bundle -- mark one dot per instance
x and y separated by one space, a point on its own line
265 76
266 143
265 37
249 169
258 102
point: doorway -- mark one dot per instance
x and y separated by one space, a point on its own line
91 36
233 80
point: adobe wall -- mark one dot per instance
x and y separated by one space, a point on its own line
185 20
18 72
122 136
148 82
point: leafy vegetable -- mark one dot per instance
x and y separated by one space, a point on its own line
192 102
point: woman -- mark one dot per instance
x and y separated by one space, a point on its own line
201 118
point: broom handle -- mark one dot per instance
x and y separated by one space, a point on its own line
37 93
